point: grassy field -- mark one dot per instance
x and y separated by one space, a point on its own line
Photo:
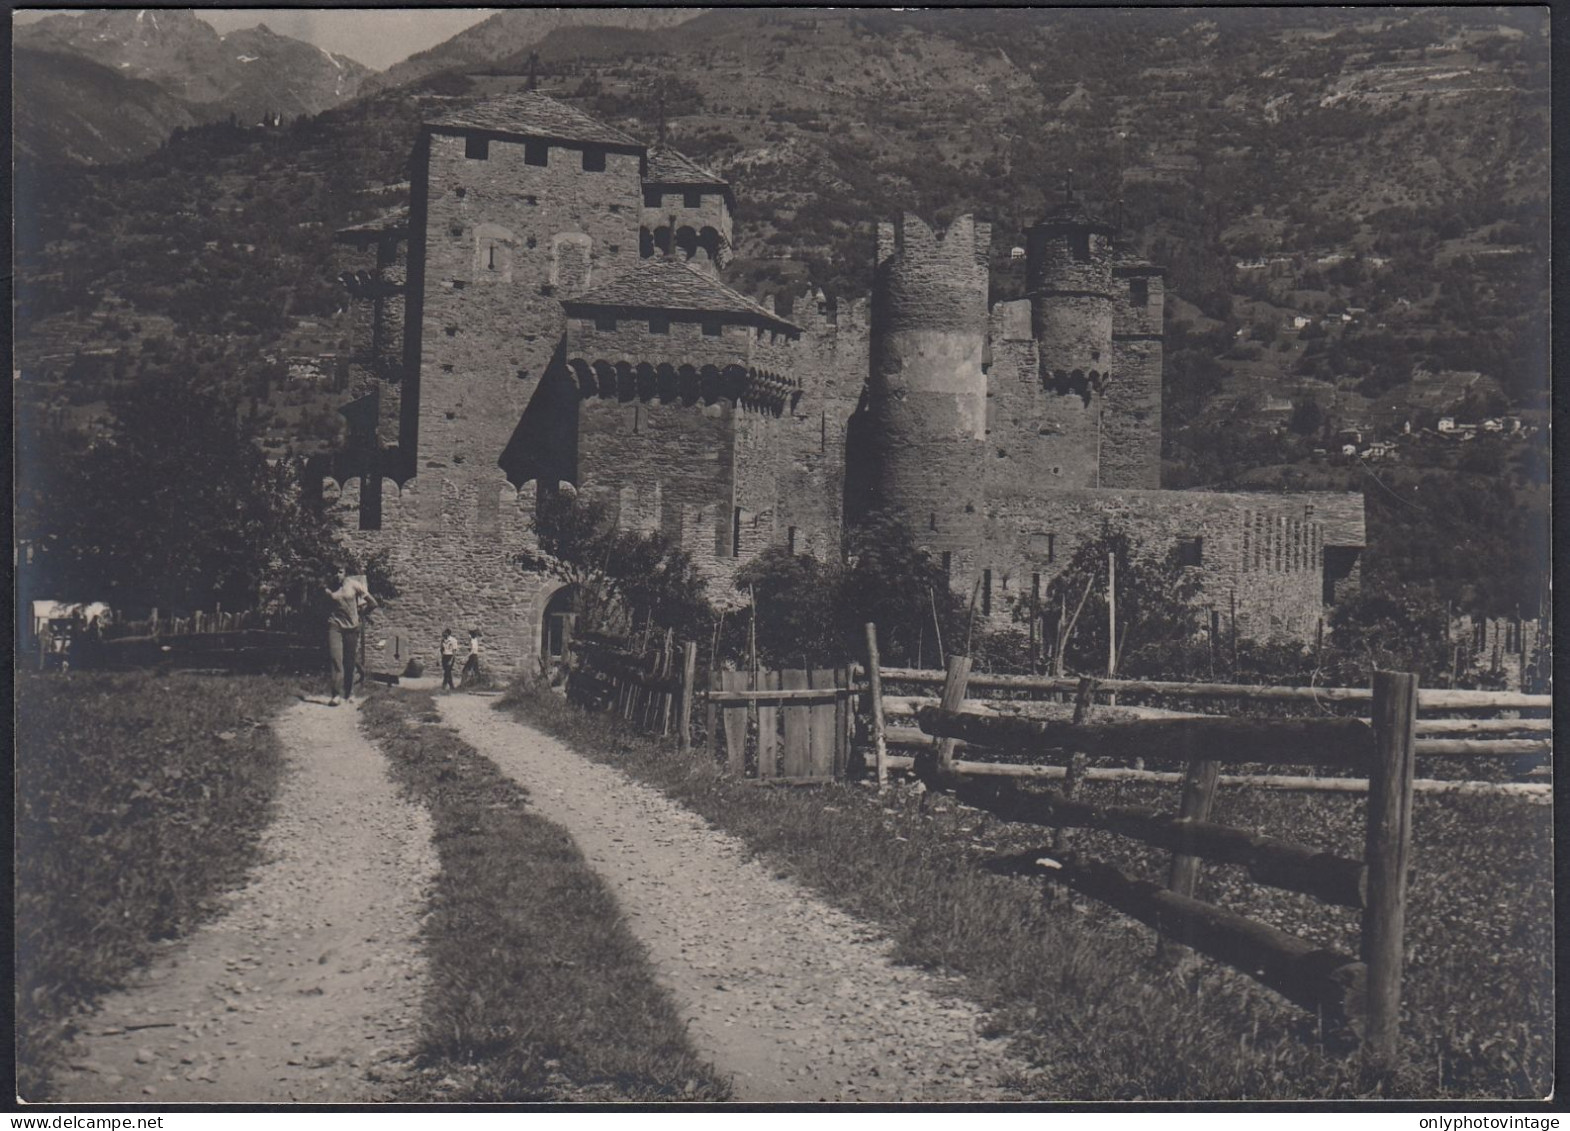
1085 993
139 798
539 991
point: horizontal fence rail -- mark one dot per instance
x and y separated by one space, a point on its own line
1429 699
1343 743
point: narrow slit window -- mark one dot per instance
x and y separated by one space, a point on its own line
790 539
948 563
735 533
986 592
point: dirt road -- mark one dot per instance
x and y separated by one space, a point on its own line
797 1000
308 986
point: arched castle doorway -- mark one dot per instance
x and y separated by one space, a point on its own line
555 622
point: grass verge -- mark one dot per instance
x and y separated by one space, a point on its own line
539 990
139 798
1083 991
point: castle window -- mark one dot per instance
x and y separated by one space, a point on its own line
692 200
711 329
594 160
1035 587
614 208
635 419
477 148
1042 544
1138 292
651 198
735 533
605 322
1191 551
1079 245
986 592
531 200
659 324
948 563
823 432
536 153
932 520
790 539
613 248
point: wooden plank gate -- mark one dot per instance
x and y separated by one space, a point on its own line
790 727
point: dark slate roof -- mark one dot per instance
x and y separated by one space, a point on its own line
532 114
394 220
667 167
669 284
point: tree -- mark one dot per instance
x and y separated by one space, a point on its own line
175 507
797 606
620 577
895 584
1157 617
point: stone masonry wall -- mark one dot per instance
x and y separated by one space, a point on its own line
1268 550
1039 439
454 560
1131 427
504 243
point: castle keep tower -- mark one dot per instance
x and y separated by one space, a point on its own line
925 421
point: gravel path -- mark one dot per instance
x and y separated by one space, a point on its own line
308 987
797 1000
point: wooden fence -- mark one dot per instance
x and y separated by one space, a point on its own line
652 690
1356 995
801 719
787 727
1466 737
198 622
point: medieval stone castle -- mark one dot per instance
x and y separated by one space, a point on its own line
550 310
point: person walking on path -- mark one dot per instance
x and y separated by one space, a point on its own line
350 598
449 658
471 666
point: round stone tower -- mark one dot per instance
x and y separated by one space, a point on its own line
924 424
1068 271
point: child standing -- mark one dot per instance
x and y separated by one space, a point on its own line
471 666
449 658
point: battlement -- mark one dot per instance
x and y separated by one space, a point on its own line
966 243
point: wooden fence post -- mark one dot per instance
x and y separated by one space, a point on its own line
880 746
1388 850
1199 794
953 699
689 685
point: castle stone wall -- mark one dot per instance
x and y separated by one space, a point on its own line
492 322
1131 429
453 556
1268 550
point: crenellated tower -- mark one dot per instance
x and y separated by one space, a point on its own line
920 441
